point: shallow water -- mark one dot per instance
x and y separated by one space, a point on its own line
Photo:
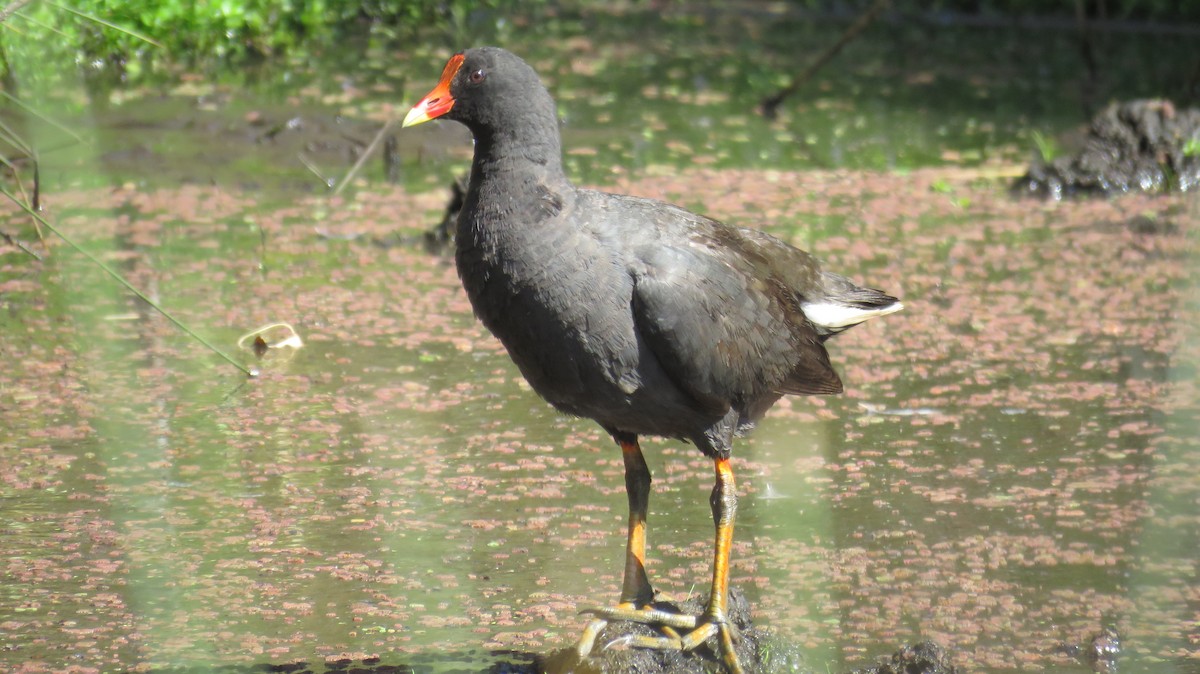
1013 467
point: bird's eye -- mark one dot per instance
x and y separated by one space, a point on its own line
477 77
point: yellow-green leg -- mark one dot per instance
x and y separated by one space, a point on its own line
636 594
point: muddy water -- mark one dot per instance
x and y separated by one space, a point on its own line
1013 467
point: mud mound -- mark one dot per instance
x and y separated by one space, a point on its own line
923 658
754 649
1147 145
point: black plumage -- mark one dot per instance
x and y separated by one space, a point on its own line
643 316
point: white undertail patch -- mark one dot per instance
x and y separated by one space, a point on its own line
833 315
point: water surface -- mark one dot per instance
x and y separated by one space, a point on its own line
1012 468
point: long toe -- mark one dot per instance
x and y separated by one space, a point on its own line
666 621
645 616
587 641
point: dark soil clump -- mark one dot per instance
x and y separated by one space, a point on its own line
1101 652
645 661
1147 145
923 658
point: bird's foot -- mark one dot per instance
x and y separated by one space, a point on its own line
680 632
623 611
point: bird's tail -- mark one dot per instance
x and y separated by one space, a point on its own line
845 305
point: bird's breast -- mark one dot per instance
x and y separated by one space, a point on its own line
559 301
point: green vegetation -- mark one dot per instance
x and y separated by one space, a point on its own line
128 37
121 37
1120 10
1047 147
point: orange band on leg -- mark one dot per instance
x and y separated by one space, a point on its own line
635 589
724 504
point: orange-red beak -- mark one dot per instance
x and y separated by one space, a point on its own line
439 101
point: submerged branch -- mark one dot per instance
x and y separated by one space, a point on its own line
770 105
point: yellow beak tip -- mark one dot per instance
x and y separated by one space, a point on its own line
414 117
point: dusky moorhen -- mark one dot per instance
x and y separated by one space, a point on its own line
638 314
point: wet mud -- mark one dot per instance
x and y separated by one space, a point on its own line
1142 145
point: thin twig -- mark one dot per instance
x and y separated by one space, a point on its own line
14 241
770 104
35 200
314 169
362 158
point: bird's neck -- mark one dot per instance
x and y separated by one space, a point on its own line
512 155
517 184
514 202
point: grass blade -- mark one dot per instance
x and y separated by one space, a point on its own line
121 29
129 286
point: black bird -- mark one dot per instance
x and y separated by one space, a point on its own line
647 318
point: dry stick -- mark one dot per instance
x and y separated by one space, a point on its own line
362 158
770 105
7 134
35 201
13 241
314 169
1087 51
128 286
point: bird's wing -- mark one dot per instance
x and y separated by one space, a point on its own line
725 329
